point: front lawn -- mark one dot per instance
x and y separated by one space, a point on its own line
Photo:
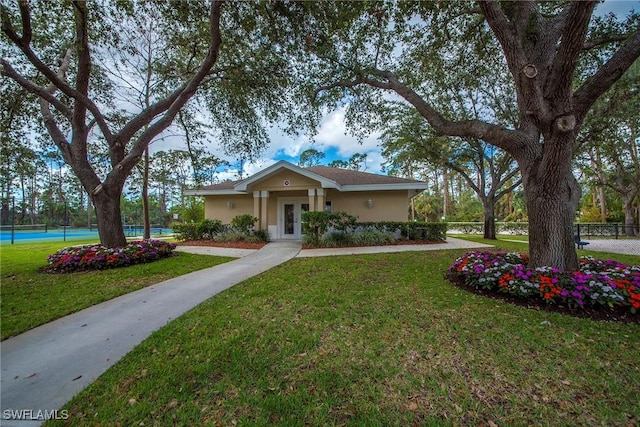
31 298
370 340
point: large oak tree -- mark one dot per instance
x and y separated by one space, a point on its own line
390 46
63 52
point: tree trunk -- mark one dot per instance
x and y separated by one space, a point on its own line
445 203
551 217
109 218
489 218
603 205
629 217
145 197
89 211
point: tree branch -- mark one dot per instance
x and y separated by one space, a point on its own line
176 100
596 43
26 22
39 91
505 33
23 43
606 76
507 190
571 41
84 65
509 140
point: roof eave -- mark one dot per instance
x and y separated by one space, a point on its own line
204 192
385 187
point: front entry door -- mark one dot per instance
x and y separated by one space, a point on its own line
291 218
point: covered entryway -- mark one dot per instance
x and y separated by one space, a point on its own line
290 212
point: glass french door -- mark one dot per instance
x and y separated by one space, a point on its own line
292 211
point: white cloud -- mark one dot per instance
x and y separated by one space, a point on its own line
333 132
332 136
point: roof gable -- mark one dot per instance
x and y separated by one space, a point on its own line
281 165
327 177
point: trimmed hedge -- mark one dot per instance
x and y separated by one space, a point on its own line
240 229
410 230
344 230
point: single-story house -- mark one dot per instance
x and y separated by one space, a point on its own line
279 194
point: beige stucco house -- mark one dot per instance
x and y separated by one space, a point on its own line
279 194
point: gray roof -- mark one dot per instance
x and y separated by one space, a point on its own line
329 177
351 177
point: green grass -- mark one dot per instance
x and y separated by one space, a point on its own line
31 298
365 341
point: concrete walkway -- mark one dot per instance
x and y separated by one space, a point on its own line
45 367
621 246
451 243
616 246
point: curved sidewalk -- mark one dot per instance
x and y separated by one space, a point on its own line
45 367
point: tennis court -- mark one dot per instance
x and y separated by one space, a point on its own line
44 234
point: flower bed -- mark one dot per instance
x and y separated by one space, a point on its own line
98 257
597 284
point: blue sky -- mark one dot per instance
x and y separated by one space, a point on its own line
333 139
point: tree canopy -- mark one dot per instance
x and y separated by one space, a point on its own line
78 59
390 52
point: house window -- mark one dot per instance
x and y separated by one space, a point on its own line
328 206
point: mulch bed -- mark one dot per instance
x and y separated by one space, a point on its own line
615 314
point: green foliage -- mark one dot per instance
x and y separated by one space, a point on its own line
185 231
315 224
310 157
262 235
241 229
345 230
410 230
373 238
244 223
339 239
342 221
209 228
336 239
343 164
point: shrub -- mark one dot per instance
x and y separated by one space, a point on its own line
342 221
185 231
231 236
410 230
315 224
262 235
98 257
336 239
597 283
209 228
244 223
373 238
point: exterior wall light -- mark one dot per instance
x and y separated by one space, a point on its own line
229 205
370 203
